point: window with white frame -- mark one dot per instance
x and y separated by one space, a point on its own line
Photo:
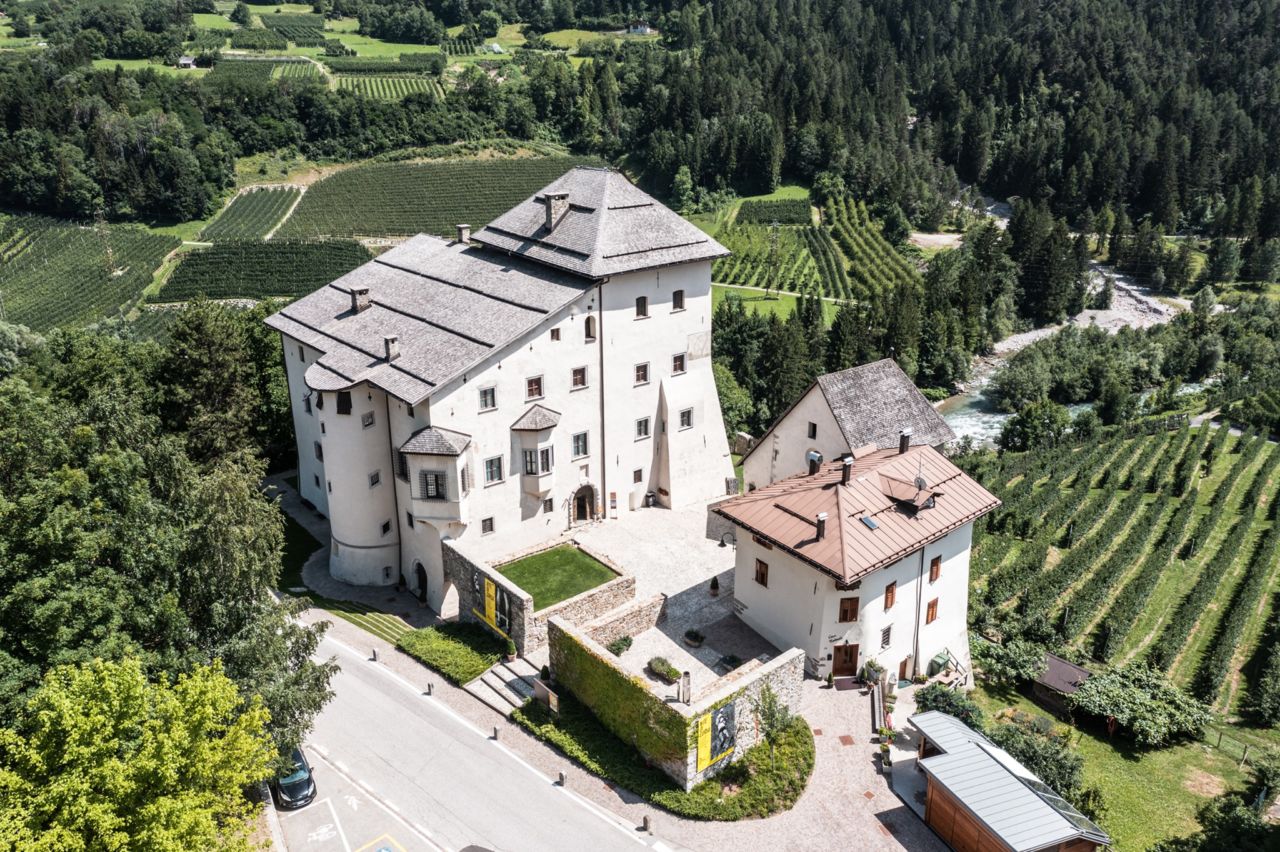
486 526
533 387
677 364
886 636
546 459
578 378
580 447
493 470
548 506
642 374
642 428
686 418
488 399
531 462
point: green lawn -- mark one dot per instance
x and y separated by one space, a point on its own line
783 304
1149 795
557 574
209 21
139 64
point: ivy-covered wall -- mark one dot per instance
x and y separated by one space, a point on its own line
621 701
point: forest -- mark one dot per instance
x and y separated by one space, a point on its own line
1164 113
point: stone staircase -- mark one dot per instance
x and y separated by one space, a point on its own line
506 686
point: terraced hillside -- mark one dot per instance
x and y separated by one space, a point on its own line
402 199
58 273
1158 547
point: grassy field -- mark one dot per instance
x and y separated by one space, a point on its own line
782 304
557 574
1149 796
210 21
140 64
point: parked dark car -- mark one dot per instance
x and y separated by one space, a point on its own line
297 787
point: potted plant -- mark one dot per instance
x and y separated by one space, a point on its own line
831 680
715 586
663 670
693 638
918 679
886 760
511 650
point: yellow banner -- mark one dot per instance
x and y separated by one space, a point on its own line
704 742
490 595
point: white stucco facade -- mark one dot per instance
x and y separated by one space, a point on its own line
384 525
801 606
808 426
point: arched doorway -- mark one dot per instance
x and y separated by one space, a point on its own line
584 504
420 575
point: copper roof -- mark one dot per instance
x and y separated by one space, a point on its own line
883 490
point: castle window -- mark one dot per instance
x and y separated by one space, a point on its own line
677 300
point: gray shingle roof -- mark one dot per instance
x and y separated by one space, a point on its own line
999 791
610 227
536 419
450 305
873 402
433 441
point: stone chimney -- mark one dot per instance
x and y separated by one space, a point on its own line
821 523
904 441
464 234
359 299
557 204
391 346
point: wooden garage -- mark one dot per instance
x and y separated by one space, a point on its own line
980 798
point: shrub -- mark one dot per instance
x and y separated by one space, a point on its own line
619 645
935 696
510 648
1143 701
761 787
664 670
693 635
459 651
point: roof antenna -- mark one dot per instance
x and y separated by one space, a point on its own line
921 484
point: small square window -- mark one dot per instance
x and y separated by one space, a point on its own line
488 399
642 374
344 402
486 526
578 379
375 479
366 420
686 418
555 334
386 528
408 519
677 364
931 614
762 572
642 306
493 470
637 476
533 388
642 428
677 300
548 506
813 431
579 445
886 636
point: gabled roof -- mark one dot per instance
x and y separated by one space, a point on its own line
536 419
873 403
450 304
1062 675
871 522
433 441
608 227
998 791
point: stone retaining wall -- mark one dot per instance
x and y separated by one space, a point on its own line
580 608
629 620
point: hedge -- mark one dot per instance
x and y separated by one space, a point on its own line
761 787
460 651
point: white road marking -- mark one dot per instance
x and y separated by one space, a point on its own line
626 828
416 829
345 844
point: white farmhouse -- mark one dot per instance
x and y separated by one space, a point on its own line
866 558
551 369
872 404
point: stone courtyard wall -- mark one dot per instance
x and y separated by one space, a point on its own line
630 620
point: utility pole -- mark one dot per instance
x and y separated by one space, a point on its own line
771 281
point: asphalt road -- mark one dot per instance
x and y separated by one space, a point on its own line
399 771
